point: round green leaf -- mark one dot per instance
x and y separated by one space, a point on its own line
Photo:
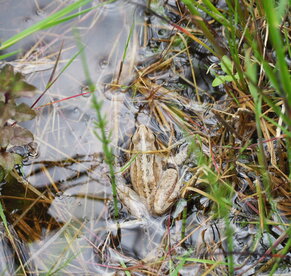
23 113
6 134
7 161
7 111
21 136
217 81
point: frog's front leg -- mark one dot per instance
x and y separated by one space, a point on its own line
182 156
168 191
132 201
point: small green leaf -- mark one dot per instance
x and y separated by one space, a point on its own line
226 65
7 111
7 161
227 78
23 89
21 136
13 83
218 81
23 113
6 134
17 159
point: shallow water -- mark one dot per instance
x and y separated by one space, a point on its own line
67 226
68 170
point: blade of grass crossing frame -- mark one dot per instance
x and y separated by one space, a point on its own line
276 39
51 21
51 76
43 24
274 15
62 20
219 51
100 124
126 48
11 239
9 54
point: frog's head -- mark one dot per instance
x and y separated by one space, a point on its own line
143 133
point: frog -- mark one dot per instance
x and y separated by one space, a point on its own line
154 175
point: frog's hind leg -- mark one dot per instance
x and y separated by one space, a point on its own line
167 192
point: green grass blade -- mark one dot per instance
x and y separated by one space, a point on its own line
275 36
283 7
126 49
11 238
203 26
202 261
3 217
213 12
84 60
283 252
65 19
9 54
43 24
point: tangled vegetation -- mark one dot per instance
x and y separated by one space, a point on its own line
12 86
237 123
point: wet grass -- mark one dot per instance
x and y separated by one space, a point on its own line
265 82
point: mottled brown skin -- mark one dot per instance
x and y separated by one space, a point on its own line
158 187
